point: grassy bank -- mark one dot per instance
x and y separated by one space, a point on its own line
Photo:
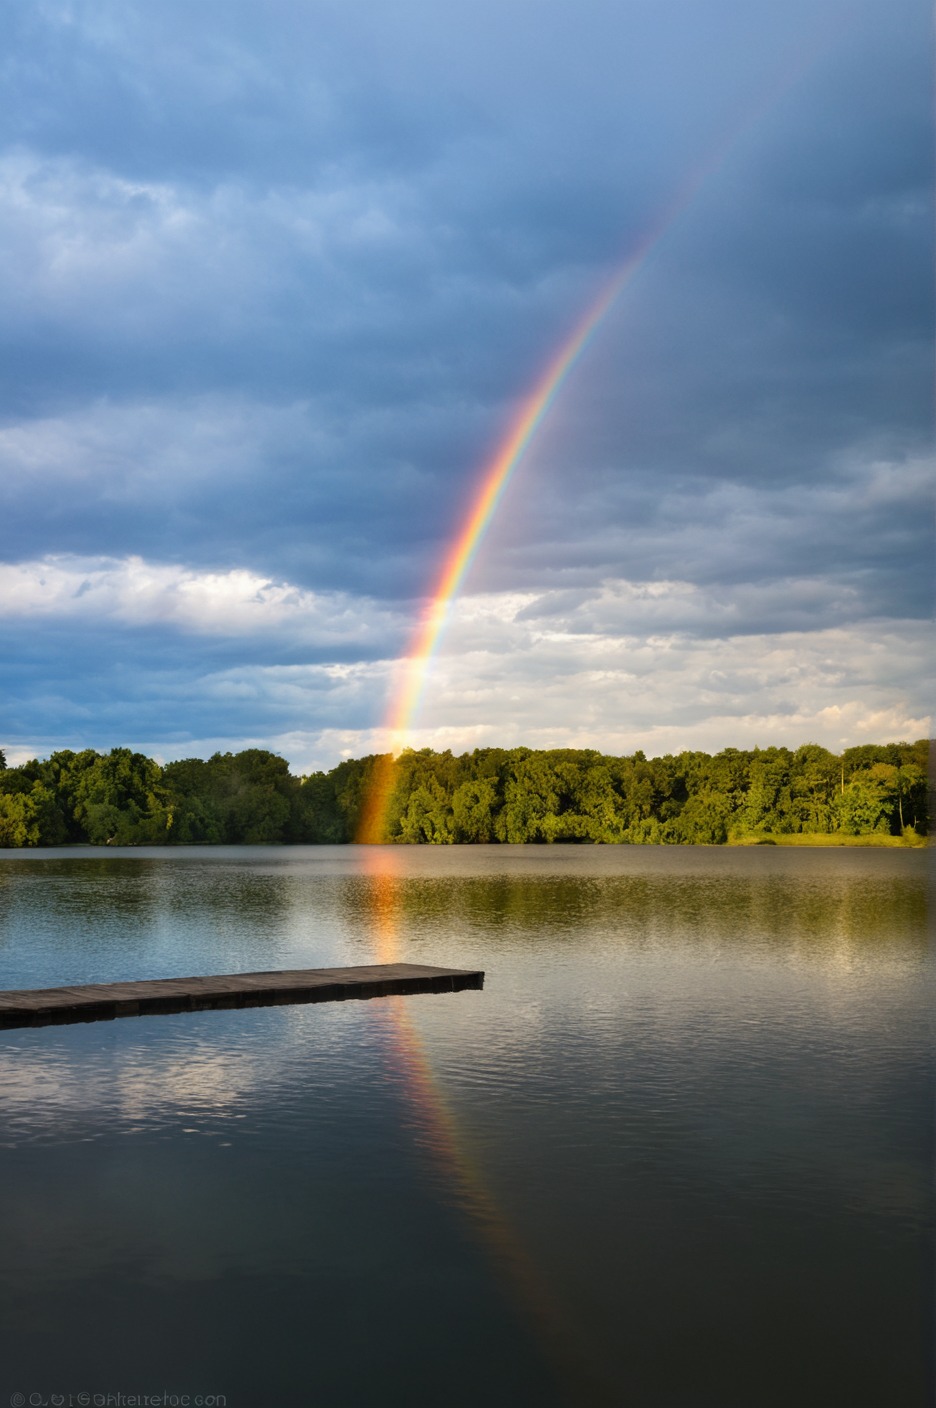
836 838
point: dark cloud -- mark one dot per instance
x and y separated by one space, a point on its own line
277 277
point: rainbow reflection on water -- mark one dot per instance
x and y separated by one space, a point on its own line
565 1345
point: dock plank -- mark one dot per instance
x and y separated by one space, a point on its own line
102 1002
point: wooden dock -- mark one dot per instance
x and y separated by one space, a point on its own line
101 1002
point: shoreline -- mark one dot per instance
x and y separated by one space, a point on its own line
801 840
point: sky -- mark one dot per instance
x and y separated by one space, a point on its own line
276 276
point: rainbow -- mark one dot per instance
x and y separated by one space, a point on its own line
562 1337
497 473
494 479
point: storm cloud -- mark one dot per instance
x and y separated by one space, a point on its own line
276 278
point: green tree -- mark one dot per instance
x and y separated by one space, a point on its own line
30 818
866 805
319 817
531 794
474 808
814 784
119 798
703 821
768 805
428 816
516 795
248 797
910 790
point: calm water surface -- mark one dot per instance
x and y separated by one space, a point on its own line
677 1152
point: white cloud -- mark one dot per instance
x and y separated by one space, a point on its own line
660 666
668 691
238 603
500 680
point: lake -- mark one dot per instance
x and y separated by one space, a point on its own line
677 1152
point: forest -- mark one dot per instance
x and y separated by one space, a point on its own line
513 795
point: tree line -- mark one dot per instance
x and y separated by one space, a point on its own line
515 795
